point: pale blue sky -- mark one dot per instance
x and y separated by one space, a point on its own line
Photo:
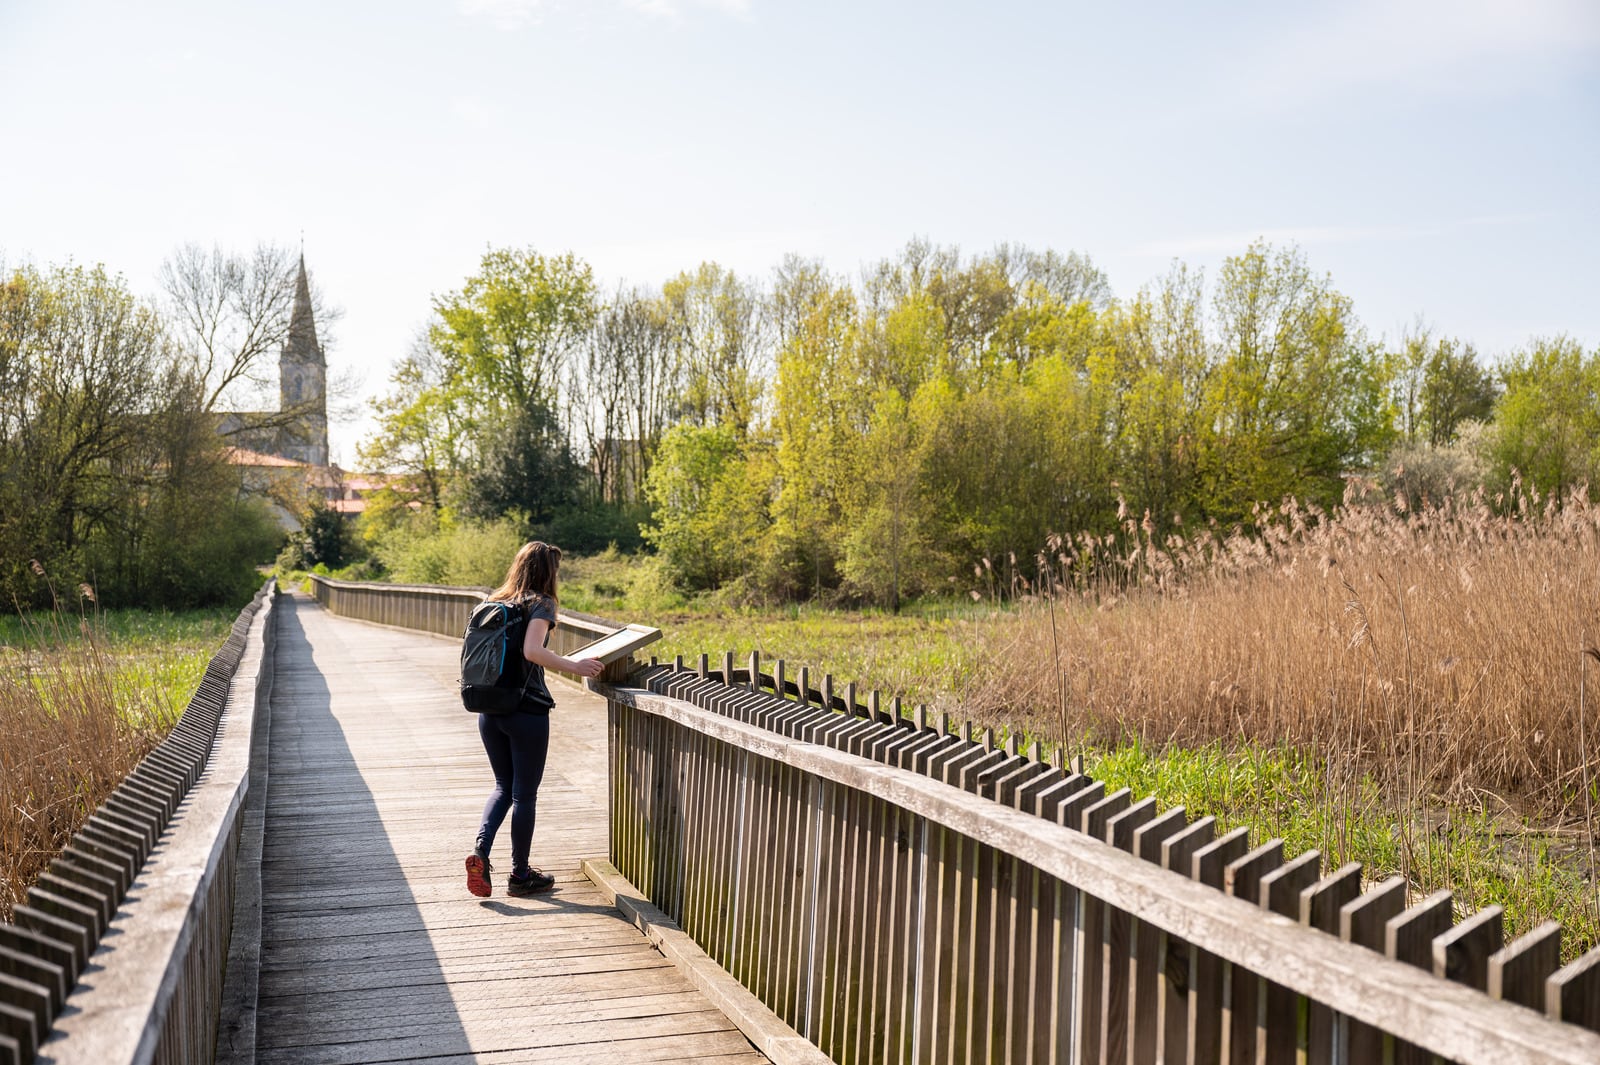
1437 158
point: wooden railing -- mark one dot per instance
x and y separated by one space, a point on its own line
439 609
156 996
897 893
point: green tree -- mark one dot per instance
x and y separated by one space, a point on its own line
1299 396
1162 361
709 505
524 467
1547 424
325 536
180 530
111 472
905 347
886 549
819 413
1439 384
1456 388
420 433
509 331
475 416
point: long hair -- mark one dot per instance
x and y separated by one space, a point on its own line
532 573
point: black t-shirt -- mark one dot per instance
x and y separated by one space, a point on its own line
535 695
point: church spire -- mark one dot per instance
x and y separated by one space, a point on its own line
302 326
302 382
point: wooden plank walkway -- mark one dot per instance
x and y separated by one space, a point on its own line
372 950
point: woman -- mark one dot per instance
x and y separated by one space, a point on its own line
518 742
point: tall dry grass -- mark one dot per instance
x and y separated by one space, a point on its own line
1411 689
1440 650
73 723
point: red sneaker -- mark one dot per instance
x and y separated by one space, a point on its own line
478 876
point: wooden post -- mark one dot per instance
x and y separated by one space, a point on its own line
1573 993
1462 954
1362 922
1517 971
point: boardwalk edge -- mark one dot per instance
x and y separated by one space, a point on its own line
765 1029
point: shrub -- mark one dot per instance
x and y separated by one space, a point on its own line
710 505
426 549
590 529
1424 475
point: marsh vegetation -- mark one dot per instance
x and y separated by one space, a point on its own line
84 694
1408 687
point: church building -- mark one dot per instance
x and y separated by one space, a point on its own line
298 429
282 455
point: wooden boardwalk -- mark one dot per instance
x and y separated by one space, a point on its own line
372 950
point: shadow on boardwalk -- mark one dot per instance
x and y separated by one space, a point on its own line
345 951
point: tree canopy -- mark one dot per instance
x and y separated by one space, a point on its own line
872 438
112 476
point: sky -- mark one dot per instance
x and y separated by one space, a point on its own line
1440 160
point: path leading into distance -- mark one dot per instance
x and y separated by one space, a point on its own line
372 950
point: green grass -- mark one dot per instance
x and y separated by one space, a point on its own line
923 654
155 657
1483 855
917 658
123 629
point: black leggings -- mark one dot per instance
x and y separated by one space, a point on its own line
517 744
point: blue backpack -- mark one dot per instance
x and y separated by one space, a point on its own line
493 673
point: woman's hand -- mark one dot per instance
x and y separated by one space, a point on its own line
585 667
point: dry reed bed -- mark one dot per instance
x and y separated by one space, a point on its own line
1441 651
72 725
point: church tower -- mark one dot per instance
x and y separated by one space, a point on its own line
302 382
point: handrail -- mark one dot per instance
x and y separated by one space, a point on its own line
154 998
810 853
440 609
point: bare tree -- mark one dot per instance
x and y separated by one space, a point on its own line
623 389
1071 278
597 394
796 284
718 332
230 314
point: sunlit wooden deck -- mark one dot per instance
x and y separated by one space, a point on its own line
371 948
